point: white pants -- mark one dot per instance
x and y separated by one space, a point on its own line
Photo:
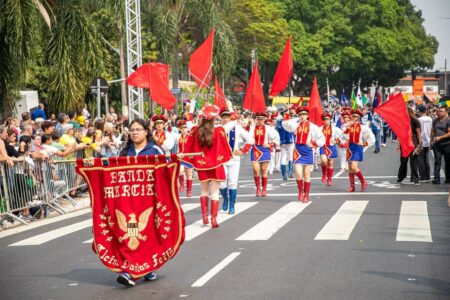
232 173
271 166
343 157
287 152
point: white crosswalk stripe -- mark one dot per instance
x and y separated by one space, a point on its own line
194 230
414 224
341 225
54 234
269 226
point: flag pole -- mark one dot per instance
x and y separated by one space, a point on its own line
202 81
328 95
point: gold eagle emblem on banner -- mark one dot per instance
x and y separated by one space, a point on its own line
132 228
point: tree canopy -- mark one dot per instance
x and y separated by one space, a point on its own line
57 47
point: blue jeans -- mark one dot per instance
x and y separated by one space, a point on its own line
377 134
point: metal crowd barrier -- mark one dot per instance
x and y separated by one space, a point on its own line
35 185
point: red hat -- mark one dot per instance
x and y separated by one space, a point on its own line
268 122
181 123
224 111
326 115
345 114
346 109
261 115
159 118
209 112
357 112
302 108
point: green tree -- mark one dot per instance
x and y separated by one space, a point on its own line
57 35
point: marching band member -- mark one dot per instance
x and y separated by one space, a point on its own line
212 142
346 116
286 146
329 152
162 138
185 168
273 148
140 143
359 136
264 137
308 135
240 142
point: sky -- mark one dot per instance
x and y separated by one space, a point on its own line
437 22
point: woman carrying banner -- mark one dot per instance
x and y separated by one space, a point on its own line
359 136
308 135
265 136
329 152
212 142
140 143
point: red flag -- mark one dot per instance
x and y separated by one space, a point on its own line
141 77
284 71
315 105
395 113
154 76
219 96
200 63
137 220
254 98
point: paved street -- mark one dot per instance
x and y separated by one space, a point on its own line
390 242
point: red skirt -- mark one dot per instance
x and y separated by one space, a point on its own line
217 174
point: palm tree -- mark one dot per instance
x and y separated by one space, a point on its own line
69 46
185 24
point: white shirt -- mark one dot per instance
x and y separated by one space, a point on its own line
315 134
425 126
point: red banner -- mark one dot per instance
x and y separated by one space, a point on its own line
284 71
315 105
254 97
395 113
200 62
138 223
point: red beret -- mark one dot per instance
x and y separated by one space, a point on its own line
357 112
224 111
326 115
261 115
346 109
345 114
181 123
209 112
159 118
302 108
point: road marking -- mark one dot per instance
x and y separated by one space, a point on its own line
189 206
341 225
390 193
34 225
54 234
211 273
194 230
186 207
339 173
269 226
312 178
413 224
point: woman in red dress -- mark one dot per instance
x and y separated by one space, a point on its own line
212 142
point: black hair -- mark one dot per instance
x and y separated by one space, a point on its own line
145 125
45 138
